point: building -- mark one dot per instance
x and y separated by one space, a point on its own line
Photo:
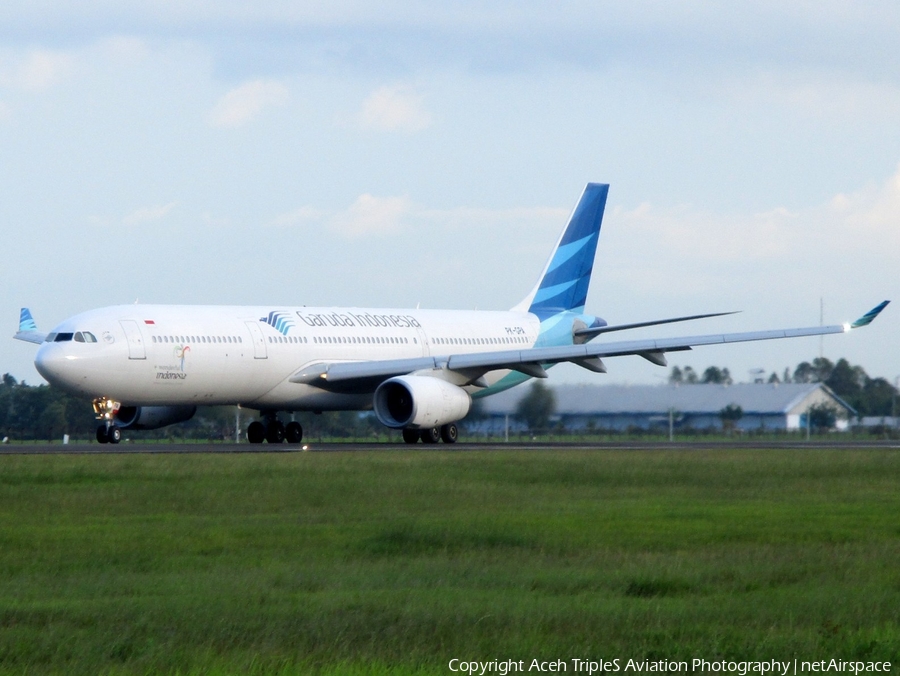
623 407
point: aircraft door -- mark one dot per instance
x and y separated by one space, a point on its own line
423 342
259 340
134 338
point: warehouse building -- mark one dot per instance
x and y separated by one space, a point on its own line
623 407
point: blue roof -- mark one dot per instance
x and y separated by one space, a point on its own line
655 399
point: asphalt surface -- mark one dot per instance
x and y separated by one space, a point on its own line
143 447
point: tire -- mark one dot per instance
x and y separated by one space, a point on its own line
410 436
449 433
275 432
114 435
431 435
256 432
102 437
293 432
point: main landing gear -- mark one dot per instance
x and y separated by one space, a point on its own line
448 433
105 410
274 431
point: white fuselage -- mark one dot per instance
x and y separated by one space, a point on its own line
147 355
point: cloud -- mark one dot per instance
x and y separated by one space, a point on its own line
852 236
244 103
148 214
300 216
397 108
38 70
370 215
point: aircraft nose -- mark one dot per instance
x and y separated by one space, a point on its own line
48 361
52 362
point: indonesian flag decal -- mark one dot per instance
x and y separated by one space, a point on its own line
149 321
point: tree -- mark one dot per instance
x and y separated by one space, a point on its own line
846 380
676 376
816 372
536 407
690 376
877 397
729 416
822 417
715 375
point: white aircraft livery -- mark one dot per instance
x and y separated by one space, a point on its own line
147 366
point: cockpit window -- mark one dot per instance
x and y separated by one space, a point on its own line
50 338
63 337
89 337
79 337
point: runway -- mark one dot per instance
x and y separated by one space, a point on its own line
127 448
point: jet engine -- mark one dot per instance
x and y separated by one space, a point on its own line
420 402
152 417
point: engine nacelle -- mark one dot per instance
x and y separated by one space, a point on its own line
152 417
420 402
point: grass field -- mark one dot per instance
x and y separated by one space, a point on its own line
396 562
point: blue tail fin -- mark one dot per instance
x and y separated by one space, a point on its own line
567 275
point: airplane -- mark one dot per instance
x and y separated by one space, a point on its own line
148 366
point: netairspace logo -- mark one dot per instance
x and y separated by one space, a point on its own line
699 666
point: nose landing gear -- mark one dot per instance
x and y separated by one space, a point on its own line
105 410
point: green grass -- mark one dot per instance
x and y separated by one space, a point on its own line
396 562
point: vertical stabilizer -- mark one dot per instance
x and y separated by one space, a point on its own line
564 283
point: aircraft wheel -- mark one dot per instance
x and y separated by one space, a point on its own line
449 433
114 435
410 436
293 432
102 437
275 432
256 432
431 435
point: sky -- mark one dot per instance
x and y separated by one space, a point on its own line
403 154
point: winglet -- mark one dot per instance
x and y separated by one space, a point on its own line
26 321
869 317
28 329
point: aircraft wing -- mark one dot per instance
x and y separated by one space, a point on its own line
28 329
364 375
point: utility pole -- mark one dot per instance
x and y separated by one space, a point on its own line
821 323
894 402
